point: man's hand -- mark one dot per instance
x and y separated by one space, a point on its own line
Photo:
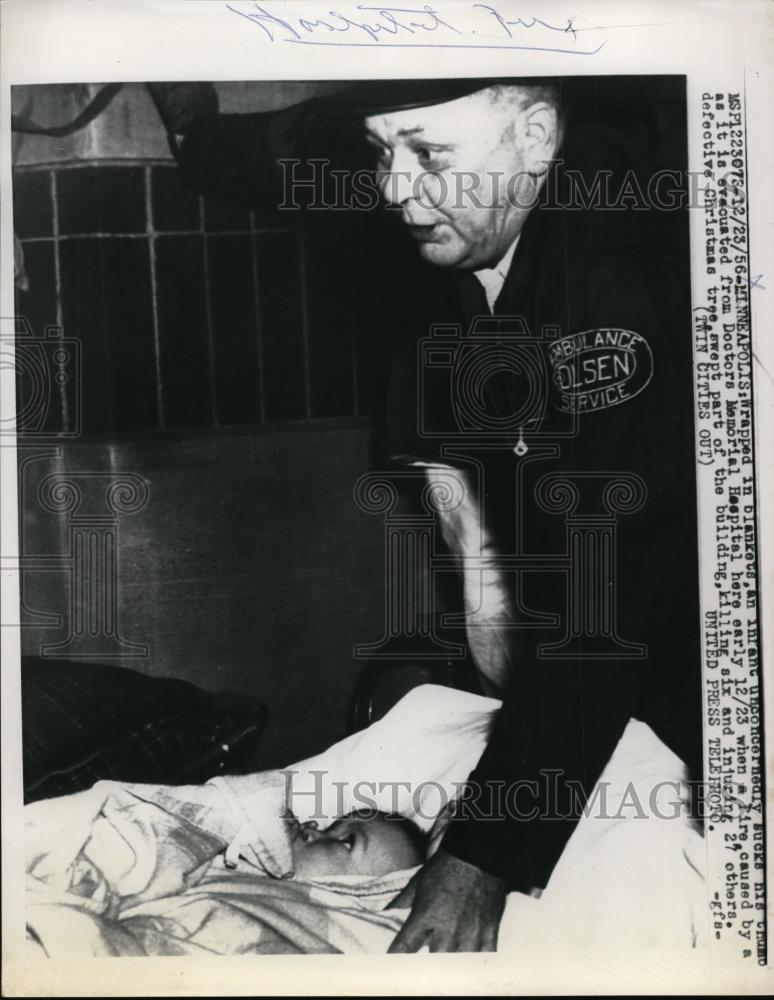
456 908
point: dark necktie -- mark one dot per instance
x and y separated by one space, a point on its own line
502 389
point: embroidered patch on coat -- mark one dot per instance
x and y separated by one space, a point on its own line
597 369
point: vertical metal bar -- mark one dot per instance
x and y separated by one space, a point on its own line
63 407
258 320
214 415
355 391
302 274
151 237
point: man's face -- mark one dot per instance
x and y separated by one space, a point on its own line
450 168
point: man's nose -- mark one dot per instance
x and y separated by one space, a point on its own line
397 188
403 180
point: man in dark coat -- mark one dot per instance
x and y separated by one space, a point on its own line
558 392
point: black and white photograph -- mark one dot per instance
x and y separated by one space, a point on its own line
382 445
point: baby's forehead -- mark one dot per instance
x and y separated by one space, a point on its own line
359 818
373 824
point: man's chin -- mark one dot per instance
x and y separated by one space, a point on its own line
442 254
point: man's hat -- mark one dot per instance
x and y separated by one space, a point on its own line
373 97
314 123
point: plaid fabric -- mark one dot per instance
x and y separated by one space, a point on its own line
83 722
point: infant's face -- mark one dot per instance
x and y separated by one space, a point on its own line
353 845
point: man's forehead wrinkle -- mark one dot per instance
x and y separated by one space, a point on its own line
371 130
493 97
384 125
413 120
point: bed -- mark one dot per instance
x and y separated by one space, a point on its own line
136 869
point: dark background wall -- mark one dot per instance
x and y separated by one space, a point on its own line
217 366
249 569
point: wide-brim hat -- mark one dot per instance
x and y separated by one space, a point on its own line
372 97
321 121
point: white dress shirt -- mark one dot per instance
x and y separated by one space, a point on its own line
493 278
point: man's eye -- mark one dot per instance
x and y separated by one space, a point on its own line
349 841
430 159
383 155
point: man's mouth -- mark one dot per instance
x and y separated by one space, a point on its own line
425 234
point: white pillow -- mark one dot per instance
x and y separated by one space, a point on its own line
414 761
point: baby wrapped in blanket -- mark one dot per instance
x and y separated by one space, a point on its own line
218 868
147 881
333 899
221 868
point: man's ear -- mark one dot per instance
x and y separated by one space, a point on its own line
540 136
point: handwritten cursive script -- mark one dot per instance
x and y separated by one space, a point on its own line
425 26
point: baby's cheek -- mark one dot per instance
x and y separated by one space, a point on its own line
315 860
